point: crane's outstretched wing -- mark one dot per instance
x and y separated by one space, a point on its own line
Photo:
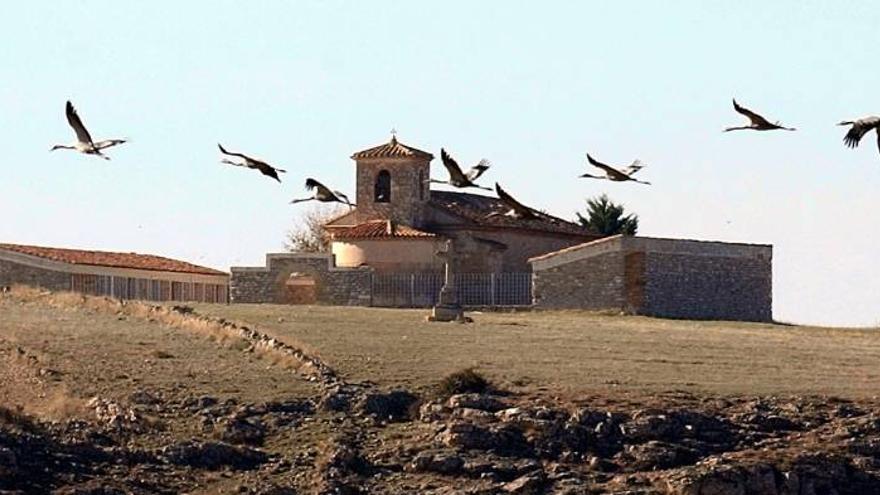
107 143
859 129
266 168
854 135
611 171
634 167
752 116
320 189
477 170
342 198
244 157
455 173
82 135
520 210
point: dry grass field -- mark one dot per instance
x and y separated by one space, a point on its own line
577 352
589 403
54 359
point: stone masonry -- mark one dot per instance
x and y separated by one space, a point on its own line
333 285
594 283
659 277
16 273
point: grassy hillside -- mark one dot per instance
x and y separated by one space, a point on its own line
101 395
578 351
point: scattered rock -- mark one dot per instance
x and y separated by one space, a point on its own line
529 484
482 402
655 455
114 415
243 431
212 455
442 462
503 439
336 399
396 405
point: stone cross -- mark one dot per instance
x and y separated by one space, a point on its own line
447 254
447 308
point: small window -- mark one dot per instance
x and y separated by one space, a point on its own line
383 187
420 187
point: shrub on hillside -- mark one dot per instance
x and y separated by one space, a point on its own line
463 381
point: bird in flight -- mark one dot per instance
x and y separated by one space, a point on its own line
323 194
615 175
859 128
758 123
514 208
458 178
252 163
84 143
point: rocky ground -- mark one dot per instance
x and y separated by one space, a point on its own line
344 437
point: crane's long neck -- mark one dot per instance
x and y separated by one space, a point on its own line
737 128
62 147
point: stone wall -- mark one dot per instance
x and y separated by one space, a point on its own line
670 278
333 285
12 273
594 283
707 287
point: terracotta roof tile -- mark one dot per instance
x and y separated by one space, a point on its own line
475 208
392 149
109 259
377 229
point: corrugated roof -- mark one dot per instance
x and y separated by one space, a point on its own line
392 149
110 259
476 208
377 229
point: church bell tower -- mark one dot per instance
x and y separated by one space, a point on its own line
392 183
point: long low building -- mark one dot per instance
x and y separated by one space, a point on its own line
119 275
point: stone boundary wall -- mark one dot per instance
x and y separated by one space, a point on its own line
595 283
333 285
707 287
674 278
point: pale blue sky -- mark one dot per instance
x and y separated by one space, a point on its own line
529 85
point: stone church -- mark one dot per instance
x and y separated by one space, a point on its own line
385 253
399 223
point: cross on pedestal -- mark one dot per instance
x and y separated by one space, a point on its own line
447 307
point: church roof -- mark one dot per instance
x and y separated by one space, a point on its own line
377 229
392 149
475 208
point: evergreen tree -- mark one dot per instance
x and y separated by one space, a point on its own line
605 218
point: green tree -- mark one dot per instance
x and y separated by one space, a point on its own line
606 218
